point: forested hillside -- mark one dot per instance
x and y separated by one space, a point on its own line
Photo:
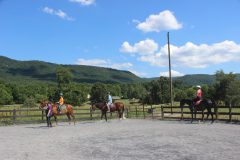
22 71
13 70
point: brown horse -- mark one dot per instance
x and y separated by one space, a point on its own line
68 111
203 105
117 106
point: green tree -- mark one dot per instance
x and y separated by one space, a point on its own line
29 103
98 93
191 93
5 96
158 91
64 78
179 95
233 93
223 82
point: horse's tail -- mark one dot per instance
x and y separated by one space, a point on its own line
123 112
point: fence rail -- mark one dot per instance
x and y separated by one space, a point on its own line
18 116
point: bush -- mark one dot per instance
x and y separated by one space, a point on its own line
29 103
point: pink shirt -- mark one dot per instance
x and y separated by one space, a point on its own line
199 93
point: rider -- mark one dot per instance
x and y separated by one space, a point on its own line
109 101
60 102
199 95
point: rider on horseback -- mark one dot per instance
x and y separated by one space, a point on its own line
199 95
109 101
60 103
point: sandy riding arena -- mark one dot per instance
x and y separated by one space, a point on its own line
121 140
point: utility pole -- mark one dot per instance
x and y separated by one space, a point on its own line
170 72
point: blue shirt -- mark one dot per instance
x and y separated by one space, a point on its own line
109 98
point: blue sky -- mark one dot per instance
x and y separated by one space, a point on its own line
125 34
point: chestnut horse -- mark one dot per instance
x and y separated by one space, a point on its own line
68 111
117 106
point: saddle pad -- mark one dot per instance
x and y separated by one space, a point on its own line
63 107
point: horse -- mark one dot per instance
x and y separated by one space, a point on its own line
117 106
68 111
203 104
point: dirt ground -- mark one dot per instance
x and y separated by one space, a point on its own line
122 140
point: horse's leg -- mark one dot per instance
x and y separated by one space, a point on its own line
73 117
102 115
207 114
123 114
191 114
69 118
119 115
202 115
55 117
210 111
105 116
195 114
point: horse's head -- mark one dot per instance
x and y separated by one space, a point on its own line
43 104
93 106
99 106
186 101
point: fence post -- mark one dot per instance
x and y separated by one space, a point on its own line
136 111
91 117
162 112
143 111
152 111
14 116
182 113
230 112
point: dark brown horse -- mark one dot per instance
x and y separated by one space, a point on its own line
68 111
117 106
203 105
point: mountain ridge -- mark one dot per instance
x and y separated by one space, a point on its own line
35 70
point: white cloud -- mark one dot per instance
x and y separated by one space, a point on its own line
103 63
194 56
173 73
165 20
84 2
109 64
139 74
144 47
92 62
58 13
121 65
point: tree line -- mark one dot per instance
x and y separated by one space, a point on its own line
225 90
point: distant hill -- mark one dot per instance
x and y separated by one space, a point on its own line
196 79
24 71
14 70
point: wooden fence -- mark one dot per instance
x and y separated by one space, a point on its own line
222 113
19 116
